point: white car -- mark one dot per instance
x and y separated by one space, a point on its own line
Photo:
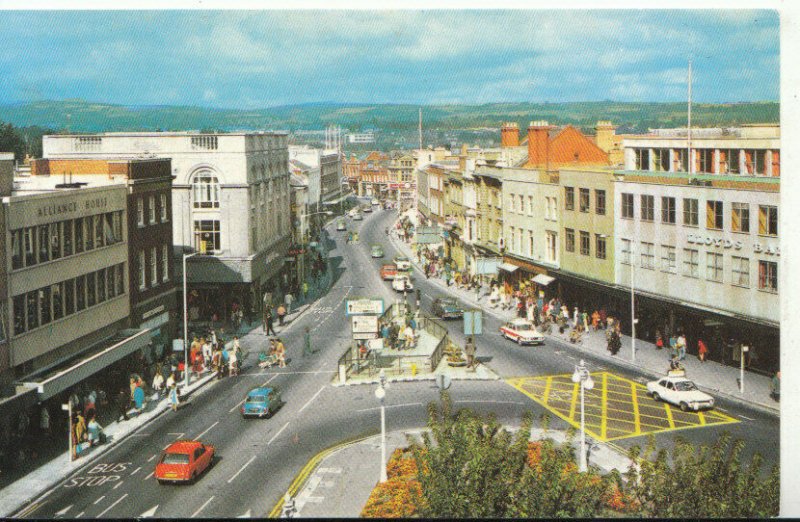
367 208
681 392
522 332
402 282
376 202
402 262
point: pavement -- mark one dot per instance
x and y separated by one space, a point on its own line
713 377
341 482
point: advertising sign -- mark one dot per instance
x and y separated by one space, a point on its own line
363 307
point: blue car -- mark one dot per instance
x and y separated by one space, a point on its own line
261 402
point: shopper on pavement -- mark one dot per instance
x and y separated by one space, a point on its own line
281 311
268 319
775 387
288 299
702 350
158 383
280 351
681 345
123 403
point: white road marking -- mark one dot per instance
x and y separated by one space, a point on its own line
276 435
391 406
150 475
209 429
242 469
246 515
64 511
203 506
150 512
744 417
98 500
151 458
106 510
175 433
237 406
119 484
47 493
79 515
269 380
167 446
311 399
134 471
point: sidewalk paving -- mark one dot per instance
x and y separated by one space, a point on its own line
716 378
342 482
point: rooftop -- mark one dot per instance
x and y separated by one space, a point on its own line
174 133
27 185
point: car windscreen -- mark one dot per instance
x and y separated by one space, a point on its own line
685 386
175 458
256 398
522 327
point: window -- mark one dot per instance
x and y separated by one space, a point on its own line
16 249
19 314
120 279
153 266
66 237
661 160
768 276
511 200
668 258
691 262
625 252
530 243
101 285
522 204
520 246
207 236
627 206
642 159
705 160
140 212
530 205
668 210
755 162
69 296
740 217
511 246
679 160
33 312
714 267
648 255
163 208
204 142
44 305
91 289
600 202
55 240
767 220
600 246
116 226
585 246
740 271
648 208
584 200
44 243
569 198
99 223
151 204
729 161
714 219
690 212
551 247
205 191
142 271
80 293
30 246
165 262
569 239
78 235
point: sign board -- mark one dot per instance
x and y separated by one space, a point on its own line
473 322
364 323
363 307
362 336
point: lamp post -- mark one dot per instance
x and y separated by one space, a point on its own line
745 349
380 394
582 376
186 322
633 307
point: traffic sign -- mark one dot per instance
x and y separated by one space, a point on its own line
363 307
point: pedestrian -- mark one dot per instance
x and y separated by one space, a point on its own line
138 398
305 290
603 318
280 352
208 351
577 318
673 346
585 318
158 384
307 342
288 299
659 340
123 403
702 350
95 431
281 314
233 360
173 394
595 320
469 350
681 345
268 319
80 428
44 421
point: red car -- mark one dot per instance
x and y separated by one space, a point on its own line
388 271
184 461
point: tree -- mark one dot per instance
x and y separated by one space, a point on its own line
708 482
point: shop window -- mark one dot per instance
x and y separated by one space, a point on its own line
584 200
740 217
768 276
627 206
648 208
740 271
691 262
714 218
767 220
668 210
690 212
585 243
569 239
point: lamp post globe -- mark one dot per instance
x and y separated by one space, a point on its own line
380 393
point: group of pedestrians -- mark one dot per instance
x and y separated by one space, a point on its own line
209 353
400 335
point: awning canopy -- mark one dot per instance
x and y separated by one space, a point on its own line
508 267
543 280
53 381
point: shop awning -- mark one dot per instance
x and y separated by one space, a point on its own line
543 280
508 267
53 381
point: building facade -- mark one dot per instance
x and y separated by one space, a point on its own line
402 185
216 176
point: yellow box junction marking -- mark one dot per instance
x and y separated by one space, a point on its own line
616 408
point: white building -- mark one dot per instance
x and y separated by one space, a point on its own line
328 165
230 201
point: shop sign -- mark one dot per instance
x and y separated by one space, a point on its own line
154 311
716 242
758 248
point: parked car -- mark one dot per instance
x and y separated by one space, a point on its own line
375 202
388 271
341 225
447 308
402 262
402 282
367 208
184 461
261 402
522 332
377 251
357 216
681 392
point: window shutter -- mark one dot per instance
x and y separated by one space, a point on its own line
762 220
776 163
736 224
723 162
710 214
748 161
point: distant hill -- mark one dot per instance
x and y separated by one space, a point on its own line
83 116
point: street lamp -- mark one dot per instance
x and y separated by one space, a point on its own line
186 322
380 394
582 376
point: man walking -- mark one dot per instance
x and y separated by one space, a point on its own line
681 344
268 321
469 350
288 299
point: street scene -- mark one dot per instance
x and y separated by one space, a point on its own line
359 309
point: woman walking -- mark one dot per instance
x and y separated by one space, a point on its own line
702 350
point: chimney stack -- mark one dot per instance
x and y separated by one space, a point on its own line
604 135
509 134
538 143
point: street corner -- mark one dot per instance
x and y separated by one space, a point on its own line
616 408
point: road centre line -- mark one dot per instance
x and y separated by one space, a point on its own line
203 506
106 510
311 399
276 435
748 418
151 458
242 469
237 406
134 471
395 406
98 500
209 429
269 380
79 514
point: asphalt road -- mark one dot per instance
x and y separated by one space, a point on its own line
258 459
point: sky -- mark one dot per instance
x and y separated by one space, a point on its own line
259 59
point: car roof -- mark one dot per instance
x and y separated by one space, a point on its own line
518 321
675 379
183 446
261 390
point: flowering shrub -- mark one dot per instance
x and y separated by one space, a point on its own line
401 495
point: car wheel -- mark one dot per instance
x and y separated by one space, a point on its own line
193 479
684 406
161 482
519 341
656 396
